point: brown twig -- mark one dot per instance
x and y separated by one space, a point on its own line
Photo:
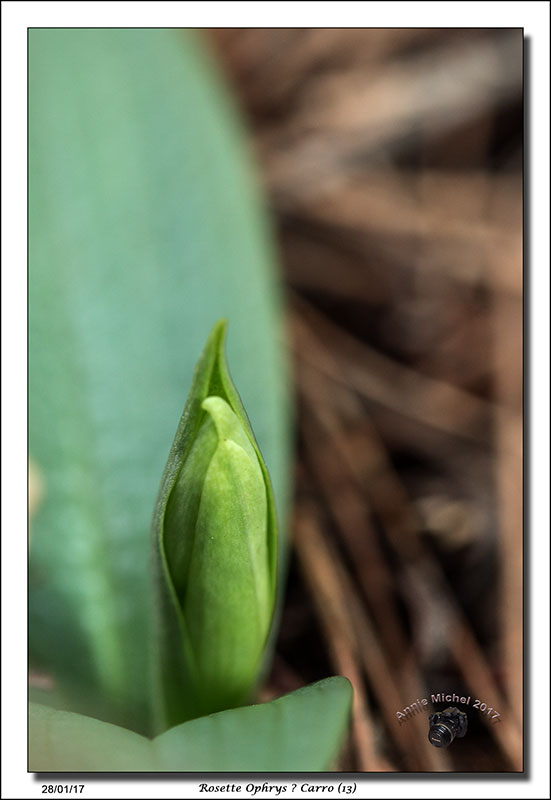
395 679
393 161
368 467
431 402
320 576
431 223
508 356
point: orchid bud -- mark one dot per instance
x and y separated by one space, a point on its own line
216 536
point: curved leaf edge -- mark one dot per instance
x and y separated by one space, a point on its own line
54 736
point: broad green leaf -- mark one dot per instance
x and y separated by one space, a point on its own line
300 732
145 226
215 543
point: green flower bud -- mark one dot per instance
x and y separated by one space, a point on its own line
216 532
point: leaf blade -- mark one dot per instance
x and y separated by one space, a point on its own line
144 225
300 732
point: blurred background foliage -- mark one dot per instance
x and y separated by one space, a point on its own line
392 163
392 159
